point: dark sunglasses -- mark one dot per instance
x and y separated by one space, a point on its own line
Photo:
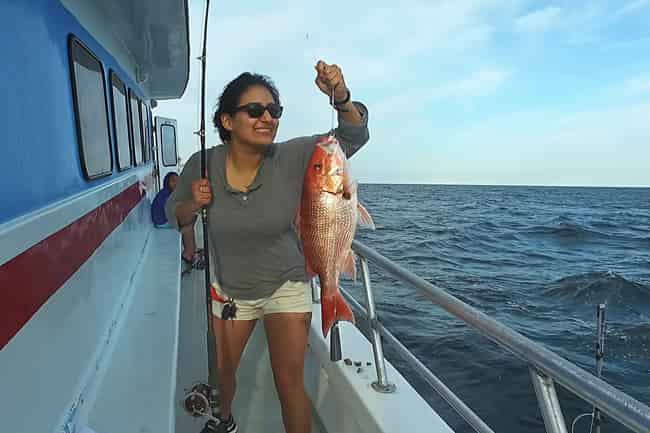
256 110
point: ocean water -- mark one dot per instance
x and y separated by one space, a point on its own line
538 259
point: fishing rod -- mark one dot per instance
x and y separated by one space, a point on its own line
210 424
204 163
202 400
600 355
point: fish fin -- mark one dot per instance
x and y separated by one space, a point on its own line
365 220
349 188
334 309
349 268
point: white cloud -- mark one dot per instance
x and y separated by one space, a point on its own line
632 7
539 21
594 147
483 81
480 83
637 86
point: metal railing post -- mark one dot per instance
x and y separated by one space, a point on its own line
548 402
382 384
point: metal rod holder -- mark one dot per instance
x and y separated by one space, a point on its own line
548 402
315 291
336 354
382 384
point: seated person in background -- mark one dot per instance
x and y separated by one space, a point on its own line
191 257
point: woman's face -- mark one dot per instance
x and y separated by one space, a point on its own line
173 179
257 132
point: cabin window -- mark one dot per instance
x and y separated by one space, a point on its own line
150 134
168 142
136 128
91 111
145 131
121 122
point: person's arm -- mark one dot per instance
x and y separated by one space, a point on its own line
348 111
352 131
186 213
353 136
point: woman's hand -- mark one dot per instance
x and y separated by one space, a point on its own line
330 78
201 193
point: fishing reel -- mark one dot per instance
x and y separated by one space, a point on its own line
201 400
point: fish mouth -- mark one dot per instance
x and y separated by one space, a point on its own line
345 195
338 191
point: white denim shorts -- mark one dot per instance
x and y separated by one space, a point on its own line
291 297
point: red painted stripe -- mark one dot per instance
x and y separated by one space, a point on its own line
28 280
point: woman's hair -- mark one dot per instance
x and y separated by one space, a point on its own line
229 99
168 176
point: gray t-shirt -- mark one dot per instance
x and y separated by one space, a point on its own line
253 236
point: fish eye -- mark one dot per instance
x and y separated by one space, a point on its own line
318 167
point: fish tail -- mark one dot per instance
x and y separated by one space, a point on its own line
334 309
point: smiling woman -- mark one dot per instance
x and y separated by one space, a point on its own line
253 193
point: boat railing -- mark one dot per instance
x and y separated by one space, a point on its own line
546 367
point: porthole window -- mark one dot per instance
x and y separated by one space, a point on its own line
91 111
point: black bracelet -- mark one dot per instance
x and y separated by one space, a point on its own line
344 101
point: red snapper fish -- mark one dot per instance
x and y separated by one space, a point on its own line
327 219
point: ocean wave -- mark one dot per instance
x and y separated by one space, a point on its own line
598 287
566 229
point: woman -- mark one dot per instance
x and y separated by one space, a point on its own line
192 258
253 193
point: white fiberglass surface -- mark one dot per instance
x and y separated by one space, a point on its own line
58 351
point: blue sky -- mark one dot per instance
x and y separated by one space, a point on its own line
465 92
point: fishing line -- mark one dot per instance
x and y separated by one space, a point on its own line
333 113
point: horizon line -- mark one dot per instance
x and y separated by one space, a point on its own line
505 184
